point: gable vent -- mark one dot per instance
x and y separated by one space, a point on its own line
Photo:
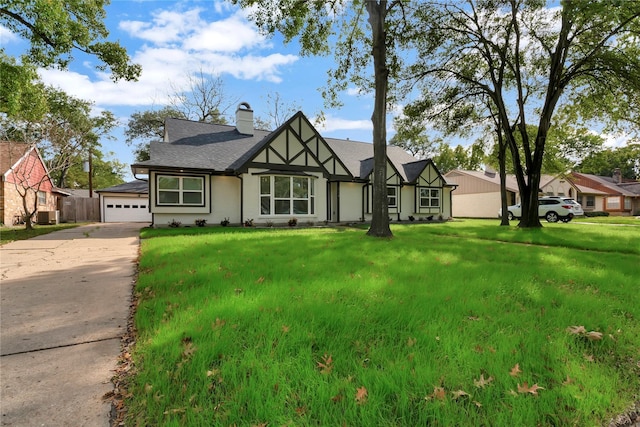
244 119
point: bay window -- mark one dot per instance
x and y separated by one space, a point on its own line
180 190
286 195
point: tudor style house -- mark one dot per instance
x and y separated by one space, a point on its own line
217 172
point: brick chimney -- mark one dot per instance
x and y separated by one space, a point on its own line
244 119
617 176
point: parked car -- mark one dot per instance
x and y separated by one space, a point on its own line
553 209
577 207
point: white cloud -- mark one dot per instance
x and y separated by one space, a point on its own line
228 35
165 27
614 140
252 67
332 124
177 43
6 35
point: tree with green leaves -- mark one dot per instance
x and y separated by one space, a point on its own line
147 126
105 172
63 130
367 52
55 29
414 140
519 60
605 162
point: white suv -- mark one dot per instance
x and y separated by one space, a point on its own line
553 209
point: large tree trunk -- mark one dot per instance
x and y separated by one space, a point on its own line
502 158
28 213
380 209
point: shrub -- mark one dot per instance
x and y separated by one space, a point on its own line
224 222
596 213
200 222
174 224
293 222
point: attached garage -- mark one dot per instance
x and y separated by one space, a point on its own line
127 202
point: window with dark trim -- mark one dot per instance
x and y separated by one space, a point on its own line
392 197
180 190
286 195
429 197
42 198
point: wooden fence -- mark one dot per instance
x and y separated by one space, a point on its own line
80 209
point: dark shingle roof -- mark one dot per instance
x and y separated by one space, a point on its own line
196 145
221 148
358 156
136 187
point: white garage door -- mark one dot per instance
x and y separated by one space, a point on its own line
126 209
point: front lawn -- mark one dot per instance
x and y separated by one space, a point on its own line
11 234
462 323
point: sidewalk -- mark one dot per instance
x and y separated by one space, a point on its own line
64 302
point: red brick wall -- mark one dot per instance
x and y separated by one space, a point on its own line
27 177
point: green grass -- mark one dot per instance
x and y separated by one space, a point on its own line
11 234
628 220
235 326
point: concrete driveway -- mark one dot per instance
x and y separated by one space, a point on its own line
64 303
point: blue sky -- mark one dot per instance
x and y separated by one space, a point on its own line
171 39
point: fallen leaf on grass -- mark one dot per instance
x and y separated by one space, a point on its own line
525 388
411 342
515 371
459 393
480 383
588 357
438 393
577 330
189 349
361 395
219 323
594 336
260 280
285 328
478 404
326 364
567 381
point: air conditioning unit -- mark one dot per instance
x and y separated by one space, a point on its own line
47 217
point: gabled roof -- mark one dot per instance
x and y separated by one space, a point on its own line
215 148
11 153
605 185
358 156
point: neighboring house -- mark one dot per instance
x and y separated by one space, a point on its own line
24 173
478 193
217 172
128 202
608 194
